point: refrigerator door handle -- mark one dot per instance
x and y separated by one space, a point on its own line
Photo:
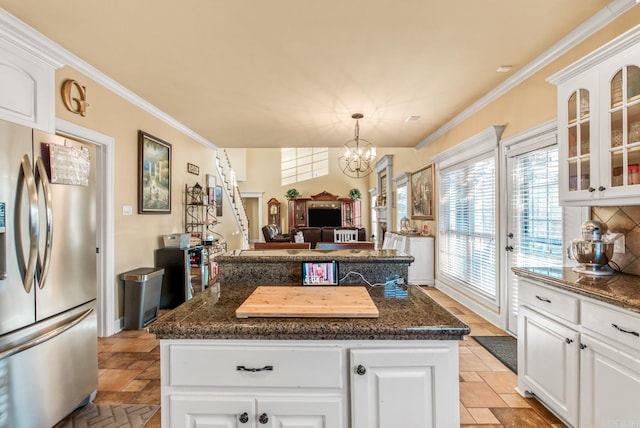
26 179
42 178
45 336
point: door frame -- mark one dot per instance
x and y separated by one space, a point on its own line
529 140
259 196
105 154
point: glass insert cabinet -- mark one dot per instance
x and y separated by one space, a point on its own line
599 125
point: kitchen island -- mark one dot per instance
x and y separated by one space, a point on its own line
400 369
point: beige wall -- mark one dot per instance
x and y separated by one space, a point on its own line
138 236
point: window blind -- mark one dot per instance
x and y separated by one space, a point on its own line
536 216
467 226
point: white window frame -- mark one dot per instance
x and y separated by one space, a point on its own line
476 148
402 181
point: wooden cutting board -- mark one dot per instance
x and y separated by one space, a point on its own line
309 302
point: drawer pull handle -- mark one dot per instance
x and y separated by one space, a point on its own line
635 333
244 418
253 370
263 419
543 299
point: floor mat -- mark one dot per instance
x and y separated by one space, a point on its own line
504 348
110 416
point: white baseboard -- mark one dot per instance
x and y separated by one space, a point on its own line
481 310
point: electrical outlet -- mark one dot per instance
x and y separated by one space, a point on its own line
127 210
618 245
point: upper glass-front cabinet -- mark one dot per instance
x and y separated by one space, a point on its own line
579 141
599 125
624 124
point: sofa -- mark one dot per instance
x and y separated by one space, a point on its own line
324 234
273 233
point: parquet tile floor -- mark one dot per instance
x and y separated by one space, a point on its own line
129 373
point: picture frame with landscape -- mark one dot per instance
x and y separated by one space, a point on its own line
154 175
422 193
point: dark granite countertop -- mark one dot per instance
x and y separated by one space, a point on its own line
406 313
620 289
295 255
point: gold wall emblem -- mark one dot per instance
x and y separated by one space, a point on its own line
79 104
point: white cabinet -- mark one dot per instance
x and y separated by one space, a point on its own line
295 411
599 125
580 356
402 388
421 271
27 88
609 385
301 384
547 362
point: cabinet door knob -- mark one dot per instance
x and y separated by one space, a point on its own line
583 346
244 418
591 189
361 370
263 419
569 341
602 188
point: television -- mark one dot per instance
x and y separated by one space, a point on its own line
320 273
321 217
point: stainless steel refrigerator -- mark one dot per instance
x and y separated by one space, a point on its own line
48 280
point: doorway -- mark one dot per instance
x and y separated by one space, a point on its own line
253 207
534 217
105 153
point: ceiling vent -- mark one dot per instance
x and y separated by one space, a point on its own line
413 118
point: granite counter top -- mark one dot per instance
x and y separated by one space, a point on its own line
406 313
620 289
296 255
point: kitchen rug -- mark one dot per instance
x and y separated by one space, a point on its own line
504 348
110 416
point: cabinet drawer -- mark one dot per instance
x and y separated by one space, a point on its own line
553 302
255 366
614 324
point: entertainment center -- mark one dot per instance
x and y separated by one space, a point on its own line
324 210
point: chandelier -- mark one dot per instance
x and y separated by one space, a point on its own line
359 155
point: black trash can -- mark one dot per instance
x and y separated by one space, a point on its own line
142 289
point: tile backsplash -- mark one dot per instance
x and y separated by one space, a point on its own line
625 220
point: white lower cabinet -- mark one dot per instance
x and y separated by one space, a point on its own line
403 388
587 372
610 386
548 362
286 384
213 411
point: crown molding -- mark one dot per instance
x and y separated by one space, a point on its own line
599 20
29 40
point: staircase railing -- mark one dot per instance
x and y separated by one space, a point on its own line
231 189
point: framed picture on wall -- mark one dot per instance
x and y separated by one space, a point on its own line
422 193
218 201
154 175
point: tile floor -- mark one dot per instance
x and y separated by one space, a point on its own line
129 372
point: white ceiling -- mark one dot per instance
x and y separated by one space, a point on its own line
256 73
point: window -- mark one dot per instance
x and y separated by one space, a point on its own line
536 215
467 219
467 226
402 200
303 163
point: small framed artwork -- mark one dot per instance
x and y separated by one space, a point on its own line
218 201
422 193
211 180
193 169
154 175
